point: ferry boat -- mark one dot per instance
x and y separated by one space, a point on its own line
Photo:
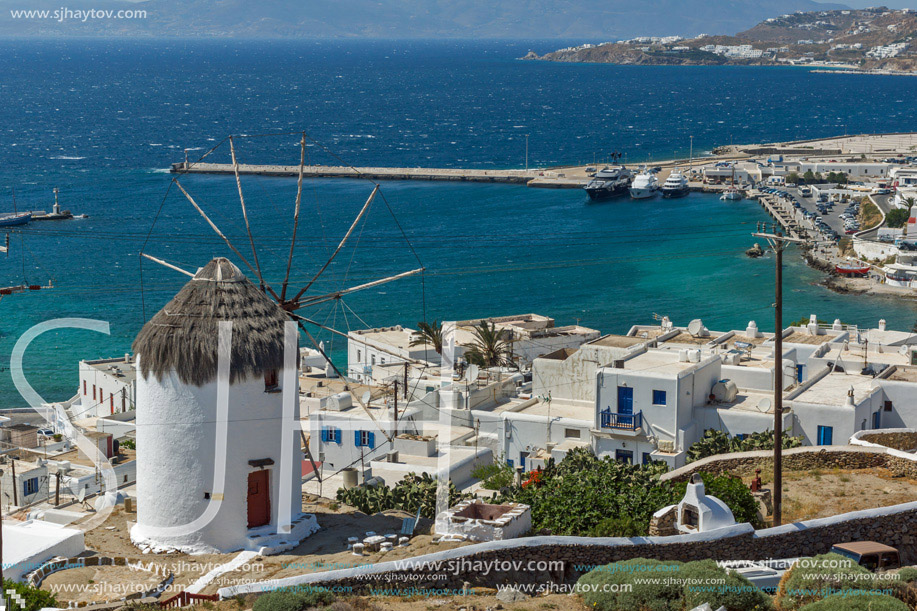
11 219
609 182
645 185
676 185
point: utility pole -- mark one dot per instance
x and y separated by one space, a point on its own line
406 367
691 154
396 407
15 487
778 243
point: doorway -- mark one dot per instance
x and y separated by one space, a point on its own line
259 499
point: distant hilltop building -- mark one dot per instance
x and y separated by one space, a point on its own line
209 480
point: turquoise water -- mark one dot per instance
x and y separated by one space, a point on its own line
101 121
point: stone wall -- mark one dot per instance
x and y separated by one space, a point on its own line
905 441
527 560
795 459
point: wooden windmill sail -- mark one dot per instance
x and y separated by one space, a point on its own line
294 300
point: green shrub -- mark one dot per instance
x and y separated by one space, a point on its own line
621 526
665 594
907 575
575 496
131 444
293 600
822 575
496 475
660 586
409 494
851 600
35 599
735 592
715 441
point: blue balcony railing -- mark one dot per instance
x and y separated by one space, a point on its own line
629 422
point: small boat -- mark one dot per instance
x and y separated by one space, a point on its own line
852 269
609 182
645 185
732 194
676 185
12 219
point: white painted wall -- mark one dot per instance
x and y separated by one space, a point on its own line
176 453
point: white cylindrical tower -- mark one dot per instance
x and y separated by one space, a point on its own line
181 502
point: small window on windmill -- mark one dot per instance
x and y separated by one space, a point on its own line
270 380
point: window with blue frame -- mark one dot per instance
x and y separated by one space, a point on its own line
30 486
825 435
331 434
626 456
647 458
364 439
658 397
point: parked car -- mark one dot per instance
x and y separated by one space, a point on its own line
869 554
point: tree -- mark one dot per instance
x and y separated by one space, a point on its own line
808 177
489 347
897 217
429 334
792 178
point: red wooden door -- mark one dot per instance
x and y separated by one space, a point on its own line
259 501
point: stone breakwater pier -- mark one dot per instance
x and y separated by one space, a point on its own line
570 178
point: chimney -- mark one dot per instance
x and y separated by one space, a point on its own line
752 329
882 325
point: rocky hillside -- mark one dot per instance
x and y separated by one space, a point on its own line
868 39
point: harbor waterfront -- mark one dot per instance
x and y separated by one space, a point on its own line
606 264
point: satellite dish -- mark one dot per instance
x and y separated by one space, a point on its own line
695 327
82 495
472 372
366 397
764 404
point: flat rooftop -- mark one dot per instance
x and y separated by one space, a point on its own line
119 368
833 388
560 409
617 341
903 374
803 337
750 401
684 337
396 336
755 341
658 361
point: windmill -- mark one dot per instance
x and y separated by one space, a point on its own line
294 301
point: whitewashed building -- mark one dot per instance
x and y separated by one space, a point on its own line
106 387
214 470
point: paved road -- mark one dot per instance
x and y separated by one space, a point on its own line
884 202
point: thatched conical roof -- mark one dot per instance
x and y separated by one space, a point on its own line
184 336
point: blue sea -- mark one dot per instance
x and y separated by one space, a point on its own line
103 120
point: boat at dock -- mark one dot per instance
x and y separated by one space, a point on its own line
645 185
12 219
731 195
676 185
609 182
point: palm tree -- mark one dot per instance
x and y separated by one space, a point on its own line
489 347
429 334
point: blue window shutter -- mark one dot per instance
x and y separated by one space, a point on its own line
356 439
324 435
371 439
337 436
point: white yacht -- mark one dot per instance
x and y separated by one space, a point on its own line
645 185
731 195
676 185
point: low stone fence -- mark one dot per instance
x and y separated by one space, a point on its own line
794 459
547 560
54 565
